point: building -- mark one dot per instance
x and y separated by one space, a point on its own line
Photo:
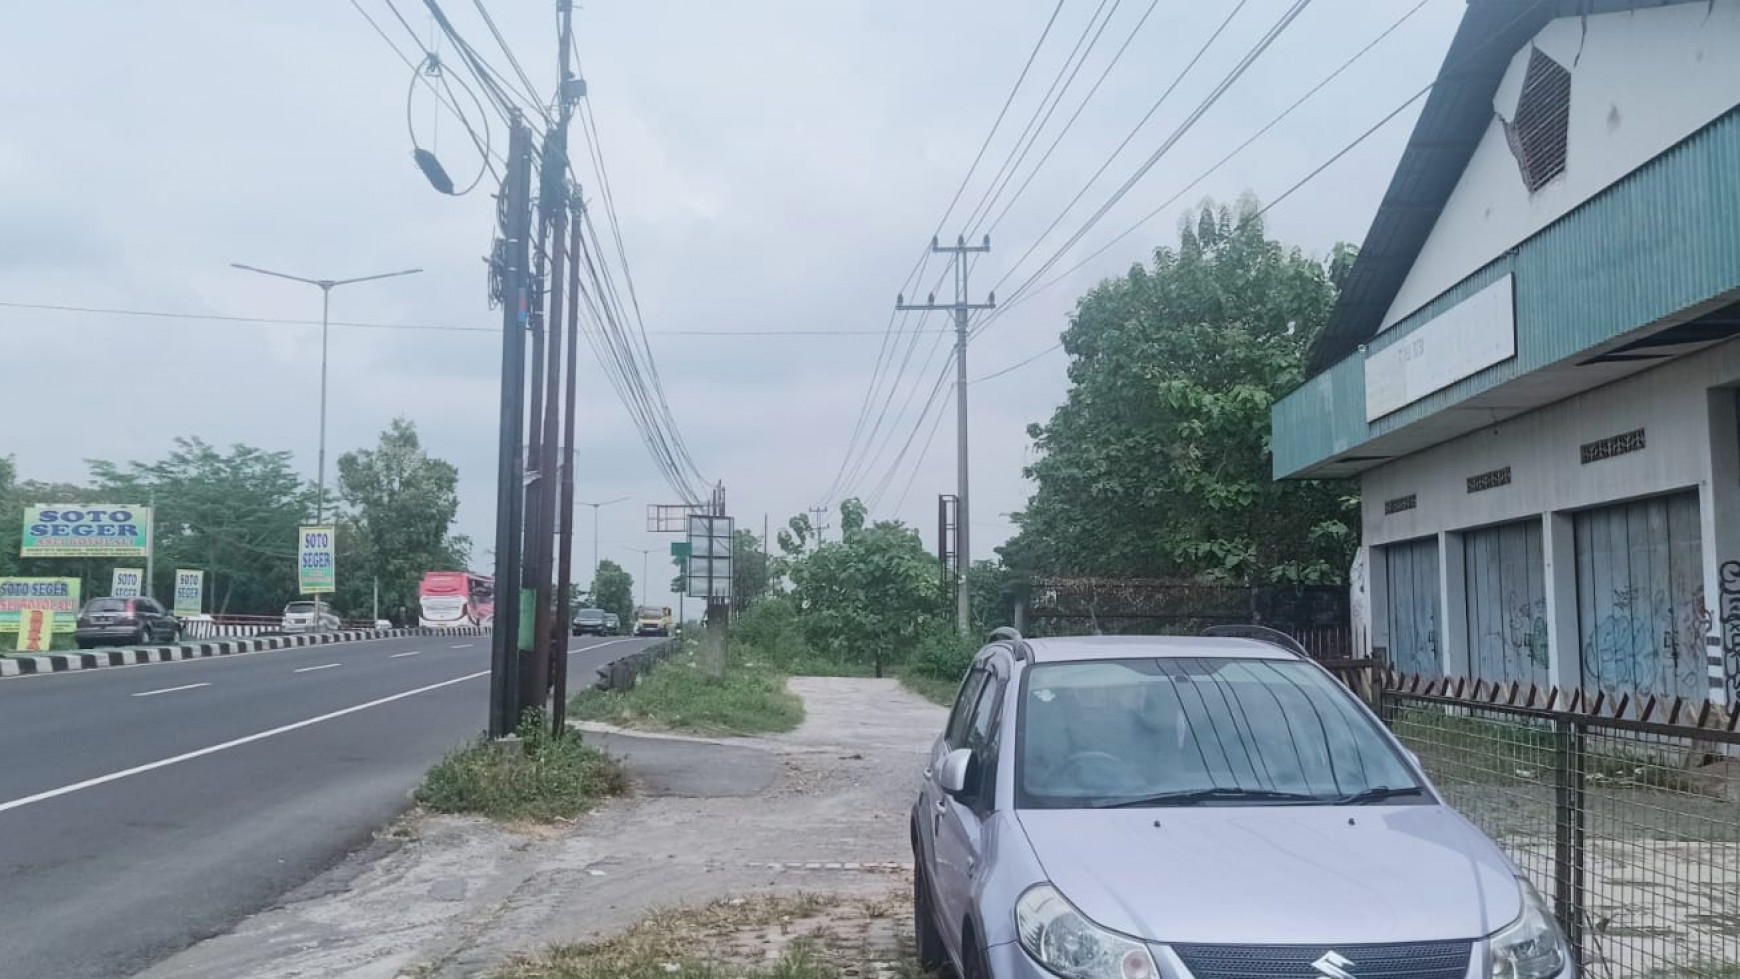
1532 370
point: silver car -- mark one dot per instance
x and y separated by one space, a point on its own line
1199 808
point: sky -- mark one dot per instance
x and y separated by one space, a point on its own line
776 165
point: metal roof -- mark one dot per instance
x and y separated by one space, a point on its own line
1450 126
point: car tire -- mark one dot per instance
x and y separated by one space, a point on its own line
143 638
927 938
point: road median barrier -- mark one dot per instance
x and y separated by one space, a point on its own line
96 659
624 672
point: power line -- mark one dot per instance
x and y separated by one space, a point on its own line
422 327
1017 365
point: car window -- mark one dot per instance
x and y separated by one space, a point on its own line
1123 731
979 727
955 734
106 605
150 605
982 739
299 608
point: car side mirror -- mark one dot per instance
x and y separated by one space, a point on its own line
952 776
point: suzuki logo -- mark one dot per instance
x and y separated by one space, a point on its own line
1333 965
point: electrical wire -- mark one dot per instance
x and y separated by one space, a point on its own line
531 90
432 65
1017 365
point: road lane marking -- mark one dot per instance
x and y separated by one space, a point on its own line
185 686
465 645
323 666
414 652
90 783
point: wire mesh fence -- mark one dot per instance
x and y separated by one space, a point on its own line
1627 816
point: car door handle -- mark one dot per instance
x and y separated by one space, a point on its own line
942 806
928 773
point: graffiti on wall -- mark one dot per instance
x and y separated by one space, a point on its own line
1730 609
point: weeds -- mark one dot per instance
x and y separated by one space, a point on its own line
750 698
541 777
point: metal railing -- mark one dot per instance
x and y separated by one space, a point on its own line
1625 814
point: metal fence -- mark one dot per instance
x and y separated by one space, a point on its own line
1625 815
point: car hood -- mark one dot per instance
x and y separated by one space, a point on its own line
1277 875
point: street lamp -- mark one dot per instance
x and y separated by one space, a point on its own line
595 508
326 286
644 555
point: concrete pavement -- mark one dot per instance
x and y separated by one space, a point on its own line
144 808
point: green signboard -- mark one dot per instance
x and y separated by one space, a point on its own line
57 595
316 569
86 530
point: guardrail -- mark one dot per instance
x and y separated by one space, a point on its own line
246 626
1624 811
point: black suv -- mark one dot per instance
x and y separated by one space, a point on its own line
590 622
124 621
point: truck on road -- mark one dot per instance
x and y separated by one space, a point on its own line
651 620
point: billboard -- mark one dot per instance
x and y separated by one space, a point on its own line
189 592
316 571
709 561
35 634
57 595
127 583
86 530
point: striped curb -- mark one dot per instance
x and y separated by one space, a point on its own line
96 659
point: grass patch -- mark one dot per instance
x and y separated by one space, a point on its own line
930 688
801 937
750 698
540 778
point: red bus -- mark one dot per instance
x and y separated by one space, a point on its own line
451 599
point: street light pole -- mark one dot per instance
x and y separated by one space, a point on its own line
325 286
595 508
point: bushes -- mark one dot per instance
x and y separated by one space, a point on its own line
750 698
542 777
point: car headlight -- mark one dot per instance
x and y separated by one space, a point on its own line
1063 940
1530 947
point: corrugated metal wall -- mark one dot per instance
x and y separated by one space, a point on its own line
1640 597
1507 603
1411 574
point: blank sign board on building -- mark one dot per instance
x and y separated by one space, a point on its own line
1468 337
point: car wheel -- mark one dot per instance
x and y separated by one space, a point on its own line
143 638
932 957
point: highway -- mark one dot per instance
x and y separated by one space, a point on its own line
145 808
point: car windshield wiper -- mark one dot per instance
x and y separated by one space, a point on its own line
1193 797
1379 793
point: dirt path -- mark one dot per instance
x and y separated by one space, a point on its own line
822 809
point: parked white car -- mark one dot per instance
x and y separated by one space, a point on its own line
301 617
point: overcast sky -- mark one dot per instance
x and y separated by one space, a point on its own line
777 165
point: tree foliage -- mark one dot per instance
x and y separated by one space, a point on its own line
1158 463
751 571
870 596
400 504
613 590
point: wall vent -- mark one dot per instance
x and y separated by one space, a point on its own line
1489 480
1401 503
1540 128
1613 445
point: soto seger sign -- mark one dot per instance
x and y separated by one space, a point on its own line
86 530
57 595
316 570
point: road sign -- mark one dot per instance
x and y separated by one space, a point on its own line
189 592
681 550
316 568
127 583
709 563
86 530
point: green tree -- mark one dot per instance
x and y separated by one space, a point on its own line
1158 463
750 570
869 597
231 513
401 504
613 590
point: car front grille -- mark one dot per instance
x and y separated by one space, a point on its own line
1413 960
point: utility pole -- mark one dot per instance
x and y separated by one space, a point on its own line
961 308
818 521
565 560
510 267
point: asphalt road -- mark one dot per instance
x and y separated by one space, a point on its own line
145 808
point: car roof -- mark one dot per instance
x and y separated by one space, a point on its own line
1074 648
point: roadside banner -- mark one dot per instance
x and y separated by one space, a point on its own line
36 632
127 583
57 595
86 530
189 592
316 570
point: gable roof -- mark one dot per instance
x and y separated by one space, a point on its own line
1455 117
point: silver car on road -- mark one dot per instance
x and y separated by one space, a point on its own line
1199 808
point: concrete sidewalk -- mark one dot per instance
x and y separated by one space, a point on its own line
821 809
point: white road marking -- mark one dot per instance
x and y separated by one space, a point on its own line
185 686
414 652
323 666
464 645
225 746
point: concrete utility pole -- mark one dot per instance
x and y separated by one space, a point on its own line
819 521
961 308
510 267
565 559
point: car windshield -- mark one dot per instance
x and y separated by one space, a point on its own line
107 605
649 612
299 608
590 615
1197 731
